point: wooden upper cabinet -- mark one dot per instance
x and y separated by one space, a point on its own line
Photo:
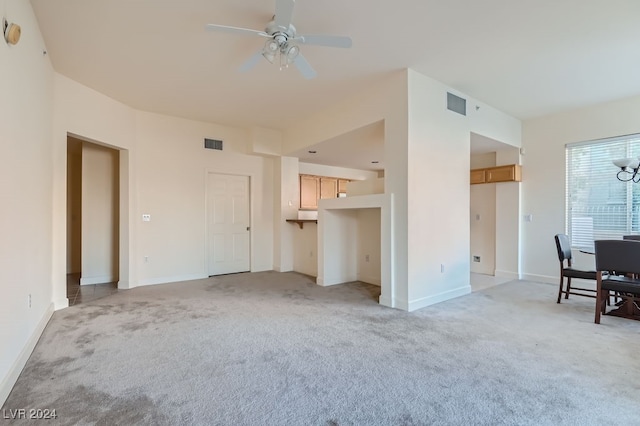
309 191
342 185
478 176
313 188
328 187
510 173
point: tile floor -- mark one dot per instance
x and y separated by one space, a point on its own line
77 293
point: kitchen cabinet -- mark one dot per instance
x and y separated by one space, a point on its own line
309 192
328 187
342 186
478 176
509 173
314 188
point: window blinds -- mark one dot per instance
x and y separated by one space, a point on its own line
598 205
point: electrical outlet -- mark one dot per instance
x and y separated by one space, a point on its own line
146 259
311 253
476 258
366 258
146 217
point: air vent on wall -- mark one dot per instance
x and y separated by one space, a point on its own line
456 104
213 144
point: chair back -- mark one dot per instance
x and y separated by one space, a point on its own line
564 247
618 255
631 237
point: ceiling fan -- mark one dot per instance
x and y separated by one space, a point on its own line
282 41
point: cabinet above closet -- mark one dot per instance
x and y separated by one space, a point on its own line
510 173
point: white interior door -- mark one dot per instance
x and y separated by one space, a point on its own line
228 217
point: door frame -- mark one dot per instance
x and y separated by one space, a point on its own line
206 216
124 213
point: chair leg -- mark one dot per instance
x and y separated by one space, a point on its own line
598 306
560 288
566 295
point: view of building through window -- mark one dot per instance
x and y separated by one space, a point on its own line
598 205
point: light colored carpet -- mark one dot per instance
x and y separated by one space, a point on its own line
275 349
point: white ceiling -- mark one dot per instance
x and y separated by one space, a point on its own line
358 149
527 57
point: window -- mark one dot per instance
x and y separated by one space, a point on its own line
598 205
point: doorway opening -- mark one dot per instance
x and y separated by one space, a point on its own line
93 220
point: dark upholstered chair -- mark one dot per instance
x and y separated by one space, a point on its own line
564 255
618 255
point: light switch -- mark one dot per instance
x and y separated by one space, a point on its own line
146 218
528 218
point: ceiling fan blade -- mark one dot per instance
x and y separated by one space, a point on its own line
235 30
325 40
284 13
305 67
251 62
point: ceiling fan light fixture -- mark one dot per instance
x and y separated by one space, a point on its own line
269 56
270 50
271 46
292 53
281 46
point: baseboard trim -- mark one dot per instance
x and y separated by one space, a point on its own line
370 280
507 274
437 298
61 303
321 281
96 280
385 301
14 372
166 280
541 278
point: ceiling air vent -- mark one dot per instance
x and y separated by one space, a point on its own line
456 104
213 144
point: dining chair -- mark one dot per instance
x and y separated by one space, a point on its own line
564 255
618 255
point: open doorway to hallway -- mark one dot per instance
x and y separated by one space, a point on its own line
92 220
494 216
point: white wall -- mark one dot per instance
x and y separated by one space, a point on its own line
386 100
483 219
347 230
509 219
340 246
336 172
439 190
305 241
25 194
419 133
369 246
90 116
305 253
163 169
286 204
171 167
99 224
543 185
438 218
